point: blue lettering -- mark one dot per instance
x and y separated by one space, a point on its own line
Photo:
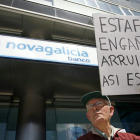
84 54
73 53
69 58
21 46
39 49
83 60
87 60
58 51
63 50
68 51
78 52
11 44
30 47
76 59
49 50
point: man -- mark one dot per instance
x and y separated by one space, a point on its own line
99 113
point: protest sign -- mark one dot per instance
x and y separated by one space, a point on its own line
118 50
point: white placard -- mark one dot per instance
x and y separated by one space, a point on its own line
118 49
15 47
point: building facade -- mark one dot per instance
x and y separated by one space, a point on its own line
40 98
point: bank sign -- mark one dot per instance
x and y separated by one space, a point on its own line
22 48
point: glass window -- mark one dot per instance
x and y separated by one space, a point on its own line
115 9
126 11
71 123
130 116
8 121
135 13
10 133
73 17
45 2
71 131
50 124
91 3
103 5
3 120
79 1
114 0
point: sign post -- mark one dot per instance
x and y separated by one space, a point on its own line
118 50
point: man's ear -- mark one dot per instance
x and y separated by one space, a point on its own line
111 111
88 116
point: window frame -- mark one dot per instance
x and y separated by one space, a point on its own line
91 6
39 2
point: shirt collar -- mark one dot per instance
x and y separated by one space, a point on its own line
98 132
102 134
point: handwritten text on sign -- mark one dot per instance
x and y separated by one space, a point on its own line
118 48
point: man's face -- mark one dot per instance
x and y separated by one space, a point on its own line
99 114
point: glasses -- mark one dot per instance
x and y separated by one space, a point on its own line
97 104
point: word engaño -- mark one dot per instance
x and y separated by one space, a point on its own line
117 43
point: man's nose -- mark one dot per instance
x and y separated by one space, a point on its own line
95 108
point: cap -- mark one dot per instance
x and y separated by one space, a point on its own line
91 95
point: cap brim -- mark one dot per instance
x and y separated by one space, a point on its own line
91 95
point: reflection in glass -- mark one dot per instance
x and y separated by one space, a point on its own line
72 123
50 124
126 11
8 121
45 2
79 1
12 122
73 17
135 13
115 9
91 3
130 117
72 131
3 120
103 5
